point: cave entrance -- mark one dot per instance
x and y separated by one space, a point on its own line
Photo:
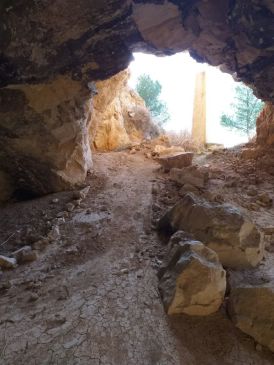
230 108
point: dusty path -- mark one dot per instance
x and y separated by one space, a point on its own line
92 297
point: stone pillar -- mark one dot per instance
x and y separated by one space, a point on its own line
199 110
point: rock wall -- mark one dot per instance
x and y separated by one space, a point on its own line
44 136
265 126
119 117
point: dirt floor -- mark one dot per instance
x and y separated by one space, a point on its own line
91 297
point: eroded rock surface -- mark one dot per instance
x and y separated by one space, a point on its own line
194 281
221 227
90 39
251 309
191 175
265 126
120 116
175 160
44 135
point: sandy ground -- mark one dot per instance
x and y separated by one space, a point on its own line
91 298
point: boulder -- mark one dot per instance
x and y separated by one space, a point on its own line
167 150
7 262
44 136
194 281
177 160
251 309
222 227
191 175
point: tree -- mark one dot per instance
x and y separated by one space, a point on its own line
246 108
150 91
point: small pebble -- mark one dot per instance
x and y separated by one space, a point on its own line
33 297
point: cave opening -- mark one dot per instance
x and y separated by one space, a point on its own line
176 75
83 267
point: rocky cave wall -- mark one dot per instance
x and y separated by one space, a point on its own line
119 116
265 126
50 51
44 137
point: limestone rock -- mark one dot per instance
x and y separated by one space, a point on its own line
119 117
7 262
167 150
177 160
251 309
221 227
191 175
194 281
198 133
45 135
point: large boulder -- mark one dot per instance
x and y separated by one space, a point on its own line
44 135
222 227
190 175
175 160
251 309
194 281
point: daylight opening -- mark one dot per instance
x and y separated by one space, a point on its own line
231 109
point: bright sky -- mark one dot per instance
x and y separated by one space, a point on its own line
177 76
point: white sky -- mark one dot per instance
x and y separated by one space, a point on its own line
177 76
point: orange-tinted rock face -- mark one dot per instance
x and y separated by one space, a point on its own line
119 115
265 126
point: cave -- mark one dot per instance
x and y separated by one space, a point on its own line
51 53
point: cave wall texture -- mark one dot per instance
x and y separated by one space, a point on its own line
50 50
119 117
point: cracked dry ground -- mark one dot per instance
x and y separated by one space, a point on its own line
96 299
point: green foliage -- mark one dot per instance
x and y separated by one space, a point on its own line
150 91
246 108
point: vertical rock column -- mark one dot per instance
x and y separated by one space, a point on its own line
199 110
44 135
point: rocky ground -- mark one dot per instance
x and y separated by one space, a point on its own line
91 294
